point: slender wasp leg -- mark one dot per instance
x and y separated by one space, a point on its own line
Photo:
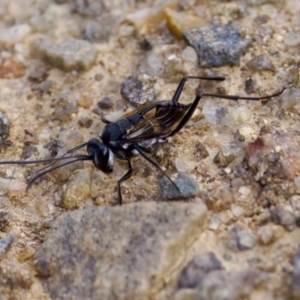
188 115
236 97
180 87
125 177
154 163
194 105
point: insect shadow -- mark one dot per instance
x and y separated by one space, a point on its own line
135 134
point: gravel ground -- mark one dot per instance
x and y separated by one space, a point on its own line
66 64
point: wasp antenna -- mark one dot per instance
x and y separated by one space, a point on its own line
77 158
28 162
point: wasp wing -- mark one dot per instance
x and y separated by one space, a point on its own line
159 119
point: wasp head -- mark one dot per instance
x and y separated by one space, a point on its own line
102 156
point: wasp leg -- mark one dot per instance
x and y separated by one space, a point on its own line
188 115
125 177
194 105
181 84
236 97
154 163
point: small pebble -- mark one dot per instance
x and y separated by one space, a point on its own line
69 137
4 220
28 151
296 275
290 98
295 202
237 182
213 113
4 126
65 105
45 268
37 71
187 186
293 7
250 86
43 208
78 190
189 54
14 34
105 103
30 137
16 190
214 222
5 243
237 211
85 101
292 39
26 253
260 63
182 165
85 122
226 155
238 116
284 215
244 191
239 239
139 89
266 234
195 271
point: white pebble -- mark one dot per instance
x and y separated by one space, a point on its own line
189 54
244 190
14 34
292 39
182 165
238 117
237 211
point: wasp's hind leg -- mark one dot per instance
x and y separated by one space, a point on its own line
125 177
154 163
181 84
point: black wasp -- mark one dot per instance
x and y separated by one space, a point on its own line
136 133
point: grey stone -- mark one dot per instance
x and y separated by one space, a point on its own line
70 54
4 126
296 275
239 239
64 106
187 187
250 86
105 103
260 63
100 30
85 122
139 89
118 252
37 70
218 45
90 8
223 285
228 154
194 272
285 216
290 98
5 243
